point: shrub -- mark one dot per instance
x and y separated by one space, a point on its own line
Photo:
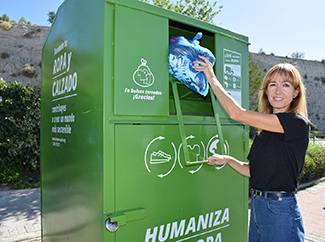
19 129
6 25
29 71
22 20
4 55
314 164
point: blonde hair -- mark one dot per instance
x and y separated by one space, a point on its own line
291 74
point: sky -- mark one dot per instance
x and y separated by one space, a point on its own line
280 27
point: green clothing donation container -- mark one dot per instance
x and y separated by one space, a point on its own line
123 144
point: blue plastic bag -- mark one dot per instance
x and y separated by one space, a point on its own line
182 53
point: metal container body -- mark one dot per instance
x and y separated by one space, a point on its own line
116 130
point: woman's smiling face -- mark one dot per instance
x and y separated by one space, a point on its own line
280 93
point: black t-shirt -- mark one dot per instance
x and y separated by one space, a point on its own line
277 159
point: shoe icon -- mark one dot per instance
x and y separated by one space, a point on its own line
159 157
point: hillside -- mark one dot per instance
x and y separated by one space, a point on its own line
21 53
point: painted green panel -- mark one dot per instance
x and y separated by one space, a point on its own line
71 124
141 70
151 174
108 128
232 69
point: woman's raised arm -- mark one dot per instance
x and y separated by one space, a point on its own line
262 121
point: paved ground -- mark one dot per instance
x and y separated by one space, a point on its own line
20 214
312 206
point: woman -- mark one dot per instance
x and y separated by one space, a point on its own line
277 156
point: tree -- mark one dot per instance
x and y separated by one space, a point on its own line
255 81
297 55
22 20
51 17
199 9
162 3
260 51
5 18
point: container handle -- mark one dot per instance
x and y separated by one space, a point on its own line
182 128
217 120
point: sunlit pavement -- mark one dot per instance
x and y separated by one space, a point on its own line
20 218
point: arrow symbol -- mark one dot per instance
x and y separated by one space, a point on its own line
145 153
220 167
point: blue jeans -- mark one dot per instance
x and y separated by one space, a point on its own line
275 221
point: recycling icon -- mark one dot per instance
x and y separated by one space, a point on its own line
162 155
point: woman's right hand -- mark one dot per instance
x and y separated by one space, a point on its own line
204 66
217 160
241 167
